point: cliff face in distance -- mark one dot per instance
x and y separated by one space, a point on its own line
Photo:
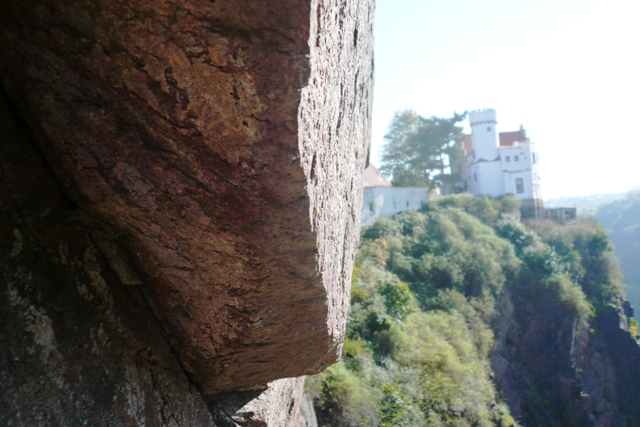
463 315
554 364
621 219
181 207
551 370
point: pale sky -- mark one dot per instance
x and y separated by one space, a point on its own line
567 70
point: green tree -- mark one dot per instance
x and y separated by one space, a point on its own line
421 152
427 289
621 219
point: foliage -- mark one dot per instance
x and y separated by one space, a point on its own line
621 219
545 277
419 152
424 293
633 327
486 209
341 396
585 253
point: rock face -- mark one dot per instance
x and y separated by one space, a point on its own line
284 404
215 151
552 371
623 354
75 344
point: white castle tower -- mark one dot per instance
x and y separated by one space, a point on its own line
499 163
484 176
484 134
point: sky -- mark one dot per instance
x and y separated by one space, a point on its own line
567 70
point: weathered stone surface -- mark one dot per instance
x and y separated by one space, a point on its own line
306 413
77 347
622 354
278 405
551 370
220 145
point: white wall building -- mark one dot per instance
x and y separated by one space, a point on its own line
502 163
382 200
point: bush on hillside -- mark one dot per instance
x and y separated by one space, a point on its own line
424 297
586 254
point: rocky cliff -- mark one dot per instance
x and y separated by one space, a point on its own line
462 314
552 370
180 206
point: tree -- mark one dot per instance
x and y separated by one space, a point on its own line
420 152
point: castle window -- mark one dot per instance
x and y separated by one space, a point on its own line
475 177
507 159
519 186
370 206
407 204
516 158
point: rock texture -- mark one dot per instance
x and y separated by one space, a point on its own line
623 354
215 151
552 371
306 413
284 403
76 345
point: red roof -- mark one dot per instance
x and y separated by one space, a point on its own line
508 138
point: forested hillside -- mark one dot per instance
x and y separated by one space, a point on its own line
463 316
621 219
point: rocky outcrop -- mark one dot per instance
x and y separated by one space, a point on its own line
306 413
622 353
284 403
221 146
552 371
194 198
76 344
534 362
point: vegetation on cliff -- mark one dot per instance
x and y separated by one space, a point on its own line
621 219
425 299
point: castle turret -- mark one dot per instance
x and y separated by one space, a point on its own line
502 163
483 133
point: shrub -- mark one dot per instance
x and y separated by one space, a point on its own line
424 294
342 398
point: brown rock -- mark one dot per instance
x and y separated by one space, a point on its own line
279 405
221 145
76 346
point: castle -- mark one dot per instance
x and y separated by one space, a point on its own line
500 163
495 164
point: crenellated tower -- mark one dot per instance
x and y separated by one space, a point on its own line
499 163
484 134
